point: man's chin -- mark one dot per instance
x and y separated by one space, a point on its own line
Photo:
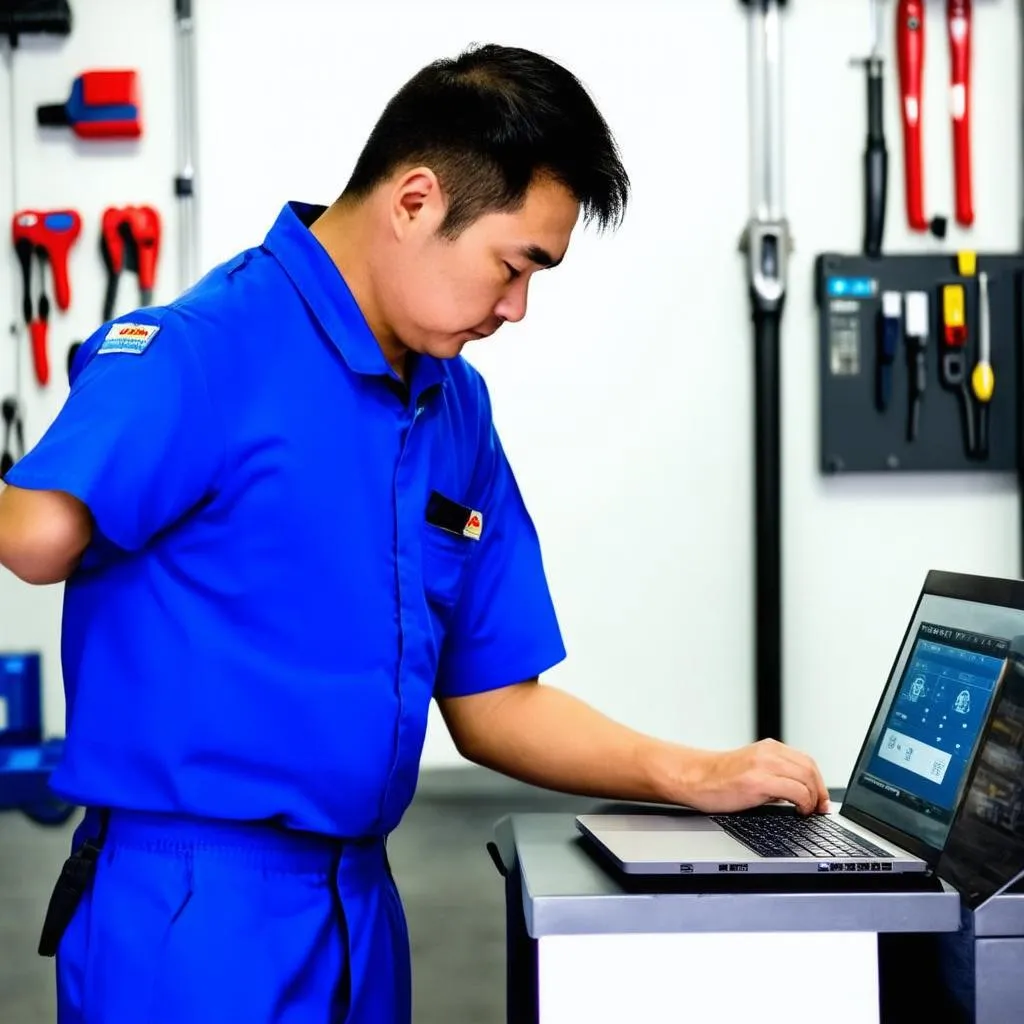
440 350
453 346
450 346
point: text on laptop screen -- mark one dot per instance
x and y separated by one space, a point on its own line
933 723
913 767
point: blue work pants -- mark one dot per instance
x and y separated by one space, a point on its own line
200 922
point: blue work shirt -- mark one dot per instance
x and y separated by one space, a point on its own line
266 608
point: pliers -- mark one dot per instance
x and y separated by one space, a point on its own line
48 236
37 321
130 241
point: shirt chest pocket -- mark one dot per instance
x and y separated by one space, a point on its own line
445 561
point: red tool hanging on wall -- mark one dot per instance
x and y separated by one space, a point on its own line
910 44
910 50
130 241
958 22
48 236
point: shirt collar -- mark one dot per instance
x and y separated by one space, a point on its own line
320 283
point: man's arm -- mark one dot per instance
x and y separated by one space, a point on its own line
547 737
136 445
42 533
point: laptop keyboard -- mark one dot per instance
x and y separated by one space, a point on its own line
776 835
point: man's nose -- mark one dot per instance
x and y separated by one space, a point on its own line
512 306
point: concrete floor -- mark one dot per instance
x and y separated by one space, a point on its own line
452 893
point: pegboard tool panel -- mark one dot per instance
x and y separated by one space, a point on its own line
919 362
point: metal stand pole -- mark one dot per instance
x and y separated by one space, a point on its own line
1020 322
18 335
184 182
767 244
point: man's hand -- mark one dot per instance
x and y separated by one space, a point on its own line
754 775
549 738
42 533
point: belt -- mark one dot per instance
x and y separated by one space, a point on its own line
75 878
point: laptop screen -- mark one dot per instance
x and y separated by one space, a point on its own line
914 765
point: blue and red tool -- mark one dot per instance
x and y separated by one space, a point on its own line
103 104
48 235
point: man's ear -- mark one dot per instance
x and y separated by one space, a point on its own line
417 204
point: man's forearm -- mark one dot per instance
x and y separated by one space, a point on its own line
547 737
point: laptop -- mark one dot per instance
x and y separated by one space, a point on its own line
938 785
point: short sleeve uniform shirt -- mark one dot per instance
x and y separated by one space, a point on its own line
293 552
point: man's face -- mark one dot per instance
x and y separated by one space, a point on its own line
439 294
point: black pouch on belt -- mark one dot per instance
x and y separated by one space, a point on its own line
75 878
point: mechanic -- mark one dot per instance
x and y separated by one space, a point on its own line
286 523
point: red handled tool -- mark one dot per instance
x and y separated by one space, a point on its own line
910 49
112 248
958 20
48 236
60 230
36 322
130 241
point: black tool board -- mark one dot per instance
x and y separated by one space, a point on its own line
855 436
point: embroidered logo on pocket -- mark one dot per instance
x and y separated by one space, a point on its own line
474 525
454 518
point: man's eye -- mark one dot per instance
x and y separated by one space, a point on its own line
512 272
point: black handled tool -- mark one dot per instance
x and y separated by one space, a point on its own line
952 361
916 326
14 435
25 251
876 155
888 327
766 243
72 352
36 318
34 17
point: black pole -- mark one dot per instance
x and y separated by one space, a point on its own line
768 517
767 244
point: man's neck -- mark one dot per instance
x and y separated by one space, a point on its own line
345 236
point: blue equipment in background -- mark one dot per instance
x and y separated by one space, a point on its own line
26 759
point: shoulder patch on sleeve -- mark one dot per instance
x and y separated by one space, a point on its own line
133 339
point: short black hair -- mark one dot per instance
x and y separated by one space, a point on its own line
488 122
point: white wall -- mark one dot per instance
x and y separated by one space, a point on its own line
624 398
54 171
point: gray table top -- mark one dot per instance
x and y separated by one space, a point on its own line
1003 915
566 890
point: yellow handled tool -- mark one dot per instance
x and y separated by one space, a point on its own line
983 378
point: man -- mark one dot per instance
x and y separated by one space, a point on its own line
286 524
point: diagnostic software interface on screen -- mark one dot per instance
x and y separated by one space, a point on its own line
912 770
